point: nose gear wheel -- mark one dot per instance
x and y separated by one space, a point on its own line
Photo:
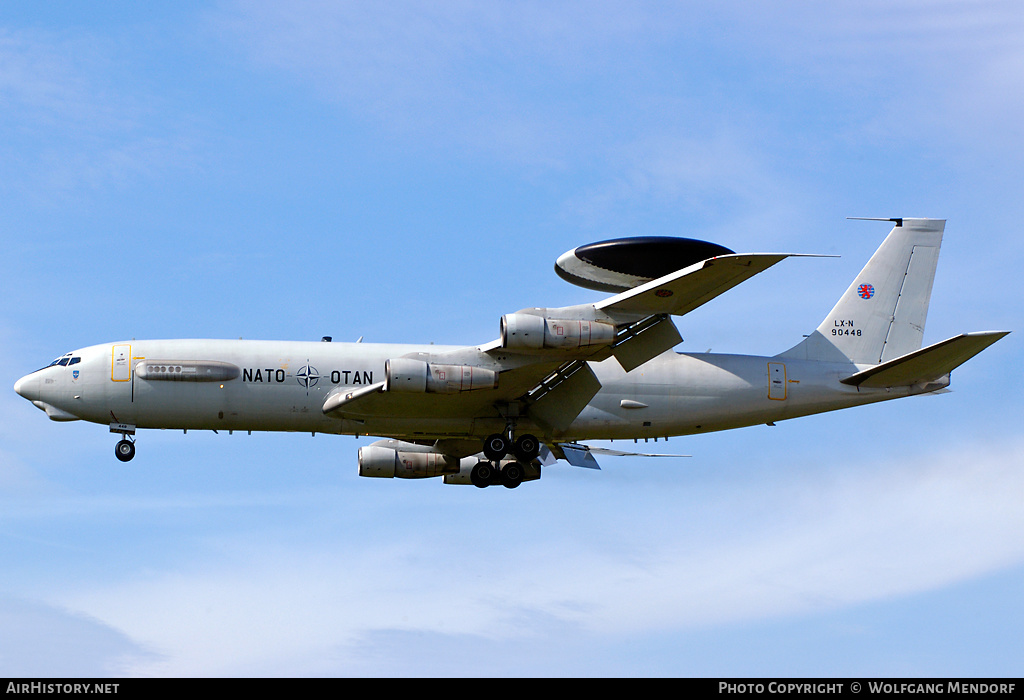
125 450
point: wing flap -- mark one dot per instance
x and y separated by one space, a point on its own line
579 455
559 403
650 339
927 364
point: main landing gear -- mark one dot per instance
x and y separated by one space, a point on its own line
125 449
510 474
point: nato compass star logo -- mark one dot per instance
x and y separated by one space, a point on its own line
307 376
865 291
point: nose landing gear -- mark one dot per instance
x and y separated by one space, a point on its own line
125 450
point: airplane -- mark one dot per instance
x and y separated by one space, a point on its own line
554 378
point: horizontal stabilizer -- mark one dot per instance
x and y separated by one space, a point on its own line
927 364
683 291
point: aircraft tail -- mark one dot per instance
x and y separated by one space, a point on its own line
882 314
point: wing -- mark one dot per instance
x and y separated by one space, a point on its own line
683 291
540 361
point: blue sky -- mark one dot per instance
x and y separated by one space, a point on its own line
408 172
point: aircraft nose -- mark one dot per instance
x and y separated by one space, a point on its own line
28 387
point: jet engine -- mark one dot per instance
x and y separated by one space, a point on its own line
404 374
388 463
521 331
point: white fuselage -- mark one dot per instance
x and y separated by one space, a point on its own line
282 386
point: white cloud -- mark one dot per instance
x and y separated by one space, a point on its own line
713 113
806 544
942 74
40 641
726 188
77 121
42 78
504 79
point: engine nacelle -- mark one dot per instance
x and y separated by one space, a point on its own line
384 462
528 332
408 375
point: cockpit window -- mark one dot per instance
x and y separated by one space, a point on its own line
63 361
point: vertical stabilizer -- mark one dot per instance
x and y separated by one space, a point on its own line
882 314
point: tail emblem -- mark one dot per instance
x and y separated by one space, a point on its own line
866 291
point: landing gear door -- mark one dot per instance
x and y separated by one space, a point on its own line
121 363
776 381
